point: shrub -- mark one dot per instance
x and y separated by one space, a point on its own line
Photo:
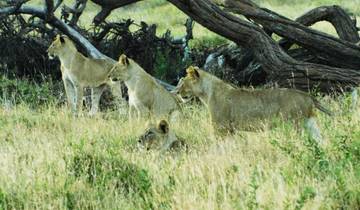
15 91
104 172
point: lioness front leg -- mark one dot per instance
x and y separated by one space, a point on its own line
143 112
70 93
79 97
95 98
314 130
116 90
132 113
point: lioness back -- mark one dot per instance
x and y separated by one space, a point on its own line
267 103
230 107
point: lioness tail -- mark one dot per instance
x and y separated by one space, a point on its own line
321 108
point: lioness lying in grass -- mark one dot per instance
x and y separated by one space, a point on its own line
234 108
160 137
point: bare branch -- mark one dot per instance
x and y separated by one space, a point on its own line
49 9
342 22
280 66
107 6
76 10
57 4
14 6
328 47
55 22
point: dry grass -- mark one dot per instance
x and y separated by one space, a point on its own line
49 159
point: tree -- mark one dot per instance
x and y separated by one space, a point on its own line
321 61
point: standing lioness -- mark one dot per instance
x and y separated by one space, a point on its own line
79 72
232 108
147 98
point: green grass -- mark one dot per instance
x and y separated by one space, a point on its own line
49 159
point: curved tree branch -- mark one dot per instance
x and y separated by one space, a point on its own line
107 6
55 22
343 24
334 50
82 42
280 66
76 10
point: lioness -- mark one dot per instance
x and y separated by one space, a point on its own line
79 72
232 107
147 98
160 137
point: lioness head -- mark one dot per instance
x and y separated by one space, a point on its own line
58 46
155 136
120 69
190 85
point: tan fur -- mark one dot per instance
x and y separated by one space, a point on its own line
234 108
147 98
160 137
79 72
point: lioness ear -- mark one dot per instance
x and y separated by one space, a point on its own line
163 126
192 72
124 60
62 40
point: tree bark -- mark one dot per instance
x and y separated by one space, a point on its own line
82 42
280 67
343 24
336 51
107 6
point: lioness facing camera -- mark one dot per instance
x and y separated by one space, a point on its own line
160 137
147 98
79 72
234 108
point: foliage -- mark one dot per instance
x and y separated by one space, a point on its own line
15 91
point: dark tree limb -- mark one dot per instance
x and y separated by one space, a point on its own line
76 10
49 9
55 22
81 41
107 6
280 66
57 4
343 24
336 51
14 6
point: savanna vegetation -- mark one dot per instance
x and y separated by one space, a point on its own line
52 160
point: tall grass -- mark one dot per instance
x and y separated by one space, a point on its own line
49 159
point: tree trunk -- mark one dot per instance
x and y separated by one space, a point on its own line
341 56
336 51
280 67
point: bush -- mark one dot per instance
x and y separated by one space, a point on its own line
104 172
15 91
205 43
